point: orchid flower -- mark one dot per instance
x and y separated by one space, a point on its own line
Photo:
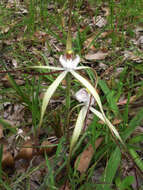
83 96
68 65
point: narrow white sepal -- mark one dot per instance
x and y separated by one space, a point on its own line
106 121
47 67
82 67
50 91
78 126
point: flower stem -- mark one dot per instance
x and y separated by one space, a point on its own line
68 77
68 101
69 54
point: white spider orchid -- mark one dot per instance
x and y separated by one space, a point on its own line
70 65
83 96
20 134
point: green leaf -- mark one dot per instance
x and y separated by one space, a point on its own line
110 170
50 91
129 180
110 97
136 139
136 158
5 185
19 91
7 125
134 123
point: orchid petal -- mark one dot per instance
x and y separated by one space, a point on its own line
47 67
78 126
82 67
69 64
63 61
76 60
83 96
50 91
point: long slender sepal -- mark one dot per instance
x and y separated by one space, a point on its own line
50 91
111 127
78 126
82 67
47 67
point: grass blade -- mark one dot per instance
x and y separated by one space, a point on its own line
134 123
110 170
19 91
110 97
136 158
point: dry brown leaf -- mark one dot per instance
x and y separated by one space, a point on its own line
4 29
47 147
106 10
140 42
1 131
138 131
116 121
7 159
83 160
26 151
96 56
64 82
105 34
6 81
124 101
89 41
129 55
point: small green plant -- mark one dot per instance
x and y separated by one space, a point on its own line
69 67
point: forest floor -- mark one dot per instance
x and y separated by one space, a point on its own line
108 37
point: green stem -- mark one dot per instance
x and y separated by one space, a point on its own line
68 100
68 77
